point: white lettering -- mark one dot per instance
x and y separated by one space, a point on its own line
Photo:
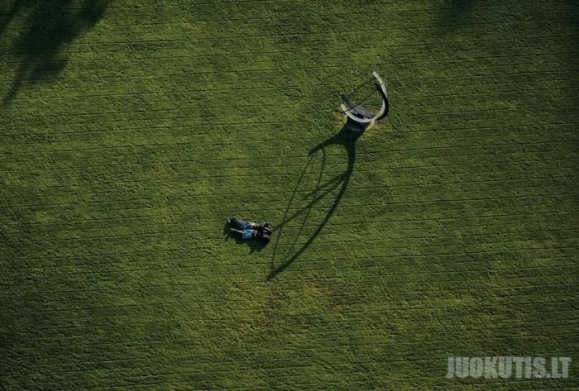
539 365
554 364
461 367
450 368
518 366
490 367
476 367
565 366
528 367
505 367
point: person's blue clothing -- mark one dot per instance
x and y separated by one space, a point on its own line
247 233
239 224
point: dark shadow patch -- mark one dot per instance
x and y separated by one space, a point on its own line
574 50
7 14
253 245
347 138
455 13
48 26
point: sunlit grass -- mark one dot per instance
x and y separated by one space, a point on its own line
449 229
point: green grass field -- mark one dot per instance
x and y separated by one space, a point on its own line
130 130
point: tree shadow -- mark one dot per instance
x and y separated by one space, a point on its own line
574 51
47 27
455 13
347 137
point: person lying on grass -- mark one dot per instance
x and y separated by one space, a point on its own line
249 230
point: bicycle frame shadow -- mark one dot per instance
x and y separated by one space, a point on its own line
347 137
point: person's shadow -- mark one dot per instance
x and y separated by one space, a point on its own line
347 137
253 245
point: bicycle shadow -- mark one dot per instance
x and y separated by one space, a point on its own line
347 137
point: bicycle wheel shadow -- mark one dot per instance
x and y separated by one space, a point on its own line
347 137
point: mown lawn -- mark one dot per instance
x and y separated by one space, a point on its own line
129 131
